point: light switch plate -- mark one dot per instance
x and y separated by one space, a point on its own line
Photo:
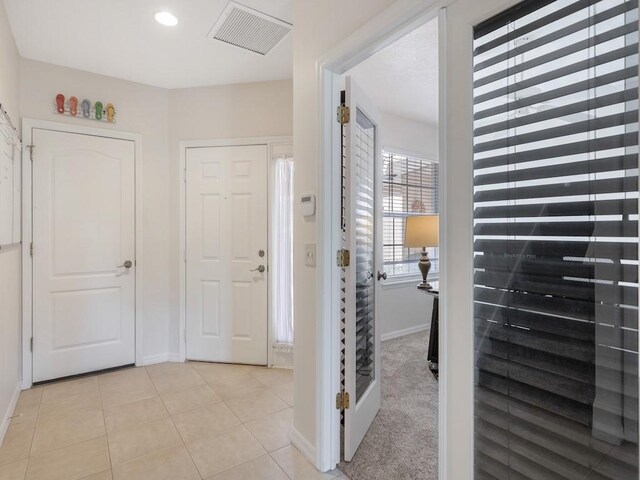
310 254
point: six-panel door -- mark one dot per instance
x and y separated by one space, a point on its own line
226 229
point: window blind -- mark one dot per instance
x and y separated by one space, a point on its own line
409 187
555 90
364 192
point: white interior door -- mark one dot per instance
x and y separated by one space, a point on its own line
363 166
226 245
83 229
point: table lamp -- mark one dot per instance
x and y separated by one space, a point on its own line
421 231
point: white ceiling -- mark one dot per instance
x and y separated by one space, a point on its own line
402 78
120 38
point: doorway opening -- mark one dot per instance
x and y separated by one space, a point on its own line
389 175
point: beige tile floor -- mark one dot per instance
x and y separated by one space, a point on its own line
171 421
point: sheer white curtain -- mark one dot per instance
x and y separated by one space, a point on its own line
283 254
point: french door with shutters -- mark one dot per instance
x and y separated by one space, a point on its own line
362 237
226 254
542 234
84 253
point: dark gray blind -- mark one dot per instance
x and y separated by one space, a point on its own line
556 241
364 159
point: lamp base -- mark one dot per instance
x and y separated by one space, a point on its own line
424 264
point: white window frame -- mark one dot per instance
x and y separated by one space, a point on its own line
404 278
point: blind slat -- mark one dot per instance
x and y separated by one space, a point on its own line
557 34
564 209
563 111
555 269
560 229
589 187
600 165
557 54
583 65
572 128
559 92
573 148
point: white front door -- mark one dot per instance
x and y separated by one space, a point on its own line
83 234
363 166
226 254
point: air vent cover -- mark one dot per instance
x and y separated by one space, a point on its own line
250 29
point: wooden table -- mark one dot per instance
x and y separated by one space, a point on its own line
432 354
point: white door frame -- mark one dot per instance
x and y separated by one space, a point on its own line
456 384
277 147
392 24
28 125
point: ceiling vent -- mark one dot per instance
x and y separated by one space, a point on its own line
250 29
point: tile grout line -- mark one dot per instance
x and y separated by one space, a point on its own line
33 434
242 423
265 388
106 433
140 423
184 445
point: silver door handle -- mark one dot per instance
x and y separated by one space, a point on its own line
127 264
260 269
382 275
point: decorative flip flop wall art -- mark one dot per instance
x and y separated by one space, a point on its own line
86 109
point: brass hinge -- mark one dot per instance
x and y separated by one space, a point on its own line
31 344
342 400
344 114
31 249
343 258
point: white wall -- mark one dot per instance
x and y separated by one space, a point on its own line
318 26
403 309
222 112
163 118
409 136
10 257
140 109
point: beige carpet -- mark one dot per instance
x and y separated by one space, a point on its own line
402 442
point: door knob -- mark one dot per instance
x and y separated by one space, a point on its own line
127 264
260 269
382 275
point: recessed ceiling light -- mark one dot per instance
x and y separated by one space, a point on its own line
167 19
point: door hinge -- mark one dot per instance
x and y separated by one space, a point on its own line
344 114
31 344
31 249
31 147
184 175
342 400
343 258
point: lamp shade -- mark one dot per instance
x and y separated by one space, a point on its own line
421 231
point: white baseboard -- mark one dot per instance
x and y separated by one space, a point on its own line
403 332
160 358
7 415
303 445
175 358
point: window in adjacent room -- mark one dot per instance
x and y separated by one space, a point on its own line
409 187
